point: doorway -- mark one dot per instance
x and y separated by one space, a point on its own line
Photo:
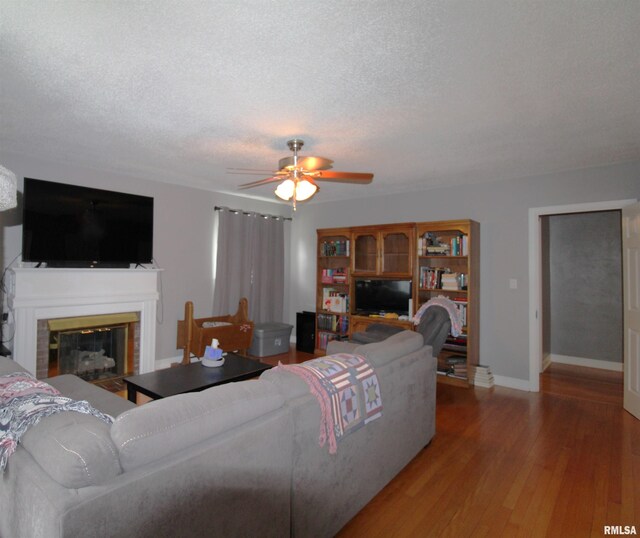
582 289
536 344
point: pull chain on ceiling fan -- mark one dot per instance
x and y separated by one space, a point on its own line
298 175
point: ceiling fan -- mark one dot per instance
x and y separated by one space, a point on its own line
298 175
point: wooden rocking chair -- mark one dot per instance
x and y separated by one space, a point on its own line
234 332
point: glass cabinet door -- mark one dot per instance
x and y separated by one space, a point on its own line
396 257
365 253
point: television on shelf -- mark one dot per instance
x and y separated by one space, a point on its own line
382 296
73 226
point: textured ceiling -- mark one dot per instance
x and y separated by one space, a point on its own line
421 93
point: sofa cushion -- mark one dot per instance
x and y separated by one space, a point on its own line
376 332
162 427
397 345
341 346
75 449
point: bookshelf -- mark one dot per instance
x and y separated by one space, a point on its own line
332 285
439 258
447 254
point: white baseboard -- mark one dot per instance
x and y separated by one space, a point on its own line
549 358
589 363
511 382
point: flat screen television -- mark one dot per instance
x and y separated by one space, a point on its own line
376 296
73 226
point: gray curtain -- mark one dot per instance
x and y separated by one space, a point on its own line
249 263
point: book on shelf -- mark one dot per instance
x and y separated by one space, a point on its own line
461 306
340 276
332 322
338 303
454 347
460 245
441 278
335 247
451 373
335 301
460 370
454 366
326 293
334 276
437 250
449 281
325 337
457 344
431 277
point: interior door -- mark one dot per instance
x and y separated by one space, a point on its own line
631 286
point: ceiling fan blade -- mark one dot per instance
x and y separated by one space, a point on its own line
344 177
260 182
238 170
248 173
306 162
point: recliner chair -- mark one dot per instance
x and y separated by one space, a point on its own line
434 326
376 332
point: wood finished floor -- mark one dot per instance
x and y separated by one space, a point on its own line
563 462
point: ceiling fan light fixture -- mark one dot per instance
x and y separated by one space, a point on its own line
305 190
286 189
297 189
297 175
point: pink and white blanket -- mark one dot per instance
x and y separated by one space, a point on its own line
347 390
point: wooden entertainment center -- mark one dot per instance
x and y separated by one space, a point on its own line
437 258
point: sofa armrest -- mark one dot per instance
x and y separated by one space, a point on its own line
9 366
73 387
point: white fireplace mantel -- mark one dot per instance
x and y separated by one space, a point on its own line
45 293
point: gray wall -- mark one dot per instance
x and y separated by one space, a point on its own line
585 285
183 239
502 210
183 235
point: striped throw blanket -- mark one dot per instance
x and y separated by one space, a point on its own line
24 401
347 390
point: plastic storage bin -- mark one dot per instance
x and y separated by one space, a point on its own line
270 339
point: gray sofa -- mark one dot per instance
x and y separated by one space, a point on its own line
328 490
213 463
241 459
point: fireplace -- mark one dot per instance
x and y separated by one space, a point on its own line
95 348
42 297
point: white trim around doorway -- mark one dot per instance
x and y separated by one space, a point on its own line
535 278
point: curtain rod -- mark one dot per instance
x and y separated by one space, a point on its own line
218 208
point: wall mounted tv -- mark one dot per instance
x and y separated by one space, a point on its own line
72 226
375 296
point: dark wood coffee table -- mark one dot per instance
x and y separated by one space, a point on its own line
192 378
